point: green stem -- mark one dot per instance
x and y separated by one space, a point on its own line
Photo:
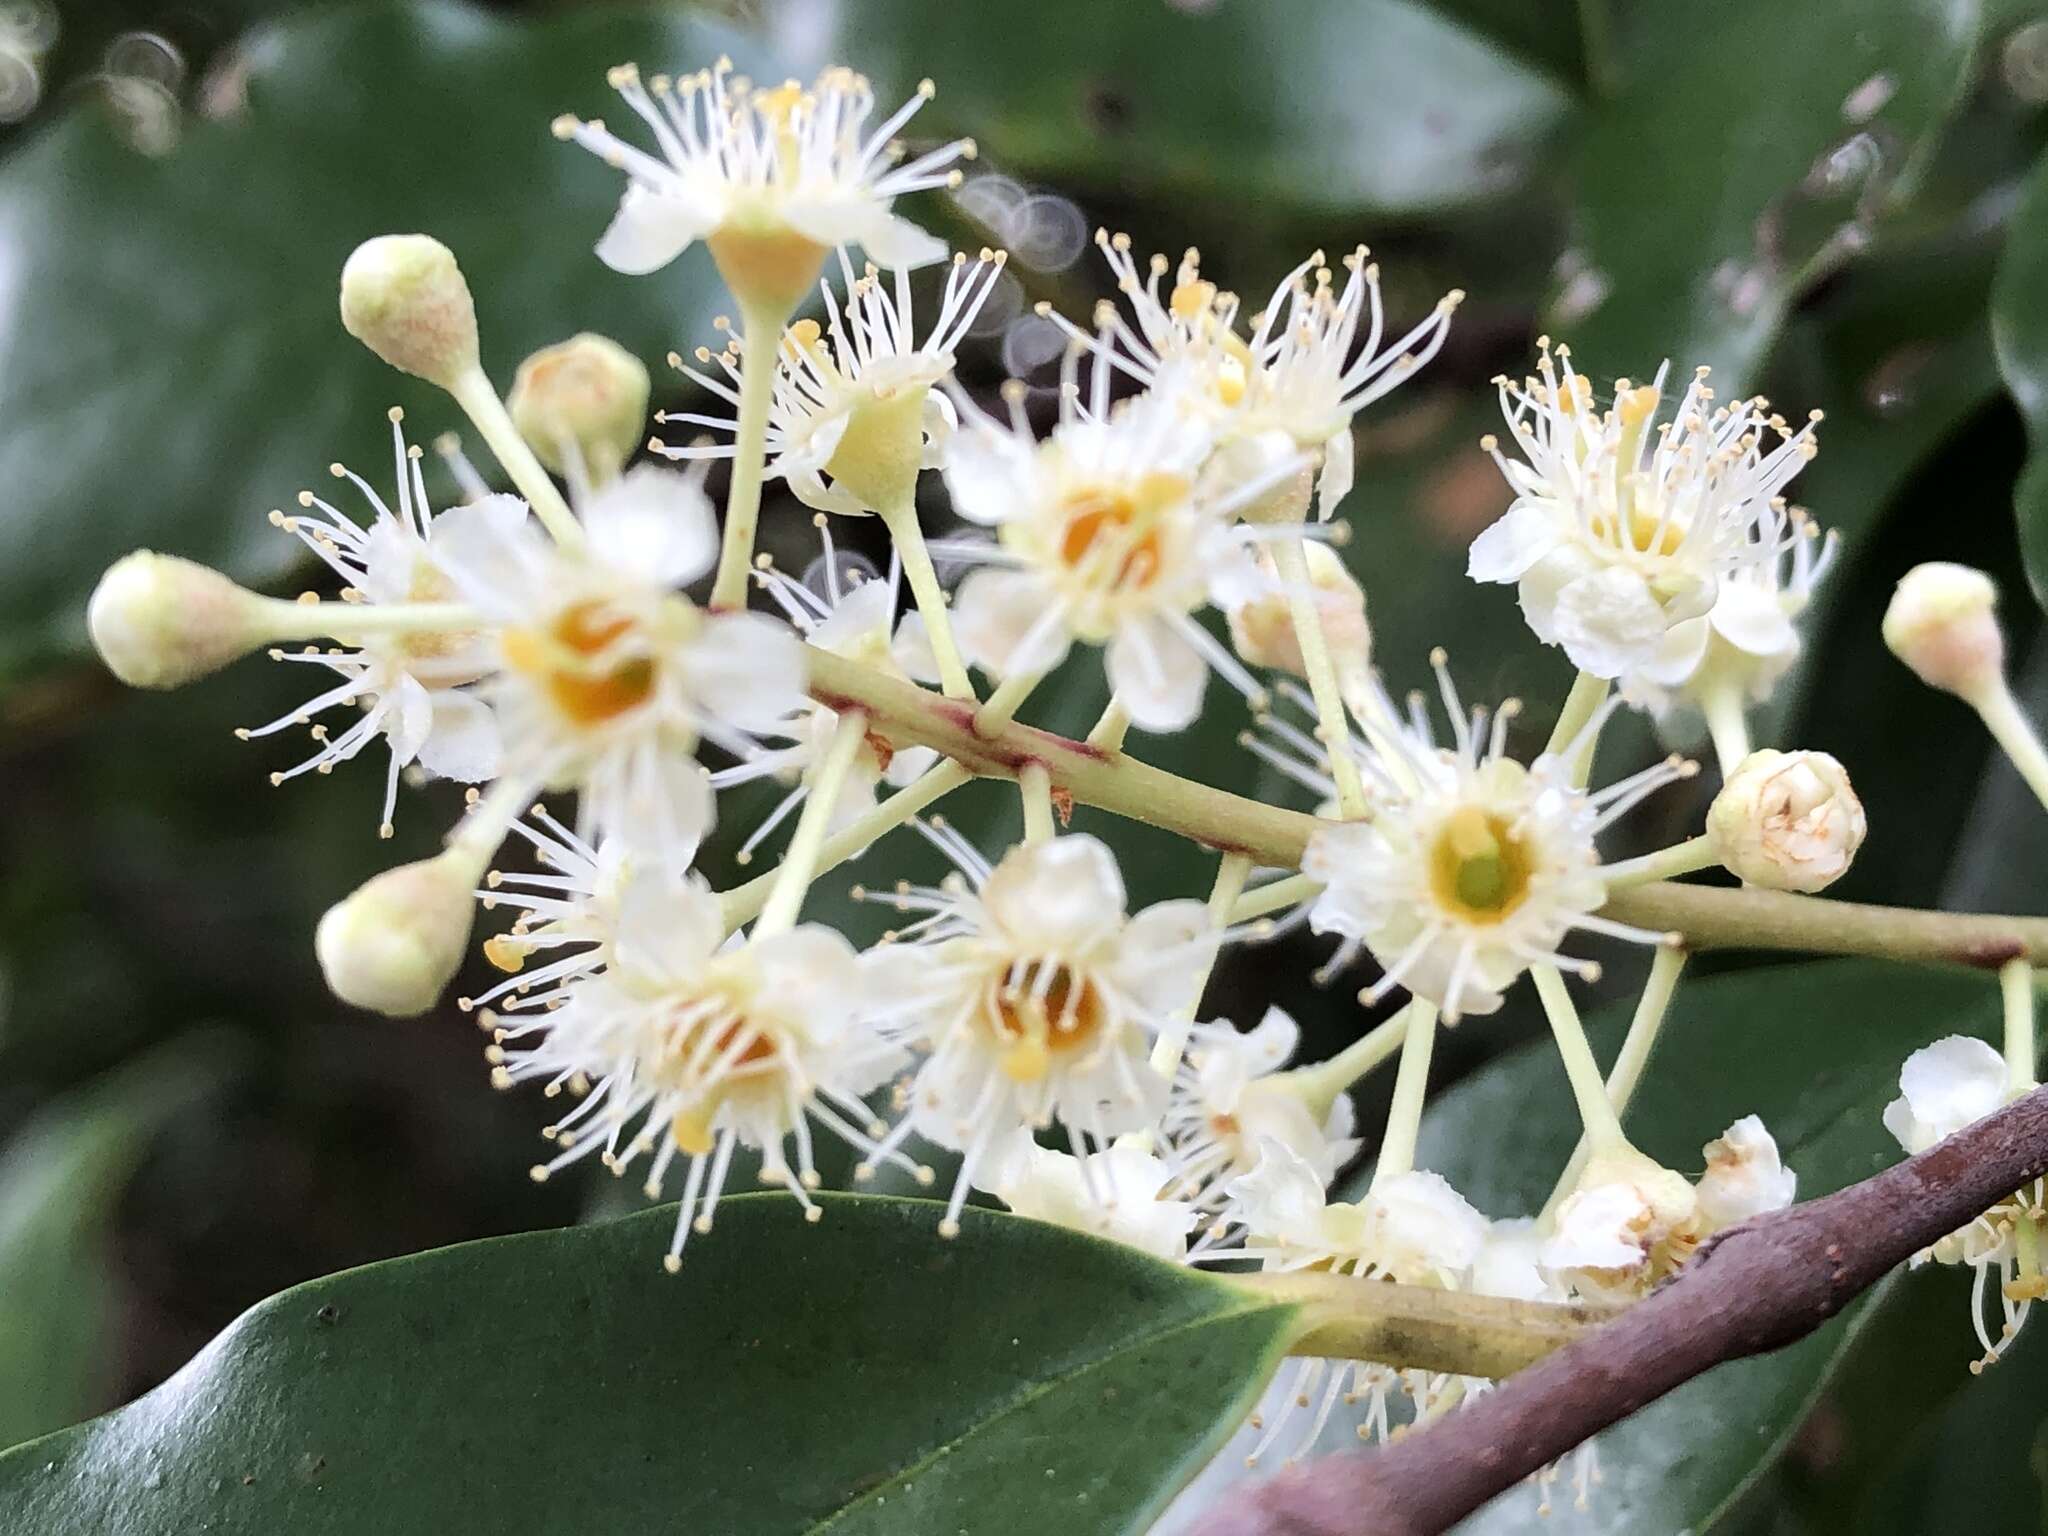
479 400
1113 726
1411 1088
1643 1028
1596 1114
763 335
2016 990
1036 787
1333 726
1728 724
1003 704
1318 1086
1416 1326
1273 896
742 902
2013 732
1704 917
1580 705
799 866
352 621
930 597
1686 858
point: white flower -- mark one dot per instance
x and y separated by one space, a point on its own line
1617 533
755 173
1744 1176
1472 867
839 607
689 1043
1231 1097
411 685
1944 1087
1787 821
853 416
1036 997
1510 1263
1411 1227
1104 538
1118 1194
1747 641
1627 1223
1296 378
608 677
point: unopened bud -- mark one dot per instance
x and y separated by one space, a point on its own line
1262 626
587 394
1943 623
159 621
404 298
395 943
1787 821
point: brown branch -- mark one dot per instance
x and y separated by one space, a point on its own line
1757 1287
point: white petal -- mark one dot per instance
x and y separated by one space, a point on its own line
988 474
654 522
1272 1041
894 241
1065 895
651 230
1165 954
1281 1197
497 559
1339 459
1157 675
1752 619
999 622
941 421
747 669
1608 623
464 743
1524 534
410 720
858 621
1952 1082
667 928
1676 656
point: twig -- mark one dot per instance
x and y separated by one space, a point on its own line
1757 1287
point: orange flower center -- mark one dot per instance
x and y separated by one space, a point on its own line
571 661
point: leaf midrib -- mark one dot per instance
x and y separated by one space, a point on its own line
903 1476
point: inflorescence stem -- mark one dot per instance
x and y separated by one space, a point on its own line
1290 557
987 743
762 325
478 397
907 534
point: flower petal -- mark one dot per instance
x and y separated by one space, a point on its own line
650 230
1157 674
463 744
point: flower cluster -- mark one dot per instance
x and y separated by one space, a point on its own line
1022 1018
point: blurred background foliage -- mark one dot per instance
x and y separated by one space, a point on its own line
1841 202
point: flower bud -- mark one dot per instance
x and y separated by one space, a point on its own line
159 621
404 298
588 392
1262 625
1942 624
1787 821
395 943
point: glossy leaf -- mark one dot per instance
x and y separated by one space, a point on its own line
2019 330
60 1179
1380 105
1754 146
861 1376
175 363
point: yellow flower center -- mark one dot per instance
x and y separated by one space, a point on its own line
1111 535
575 662
1042 1020
1479 868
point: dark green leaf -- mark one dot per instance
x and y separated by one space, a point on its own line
2019 330
1378 105
60 1178
1754 146
859 1376
176 366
